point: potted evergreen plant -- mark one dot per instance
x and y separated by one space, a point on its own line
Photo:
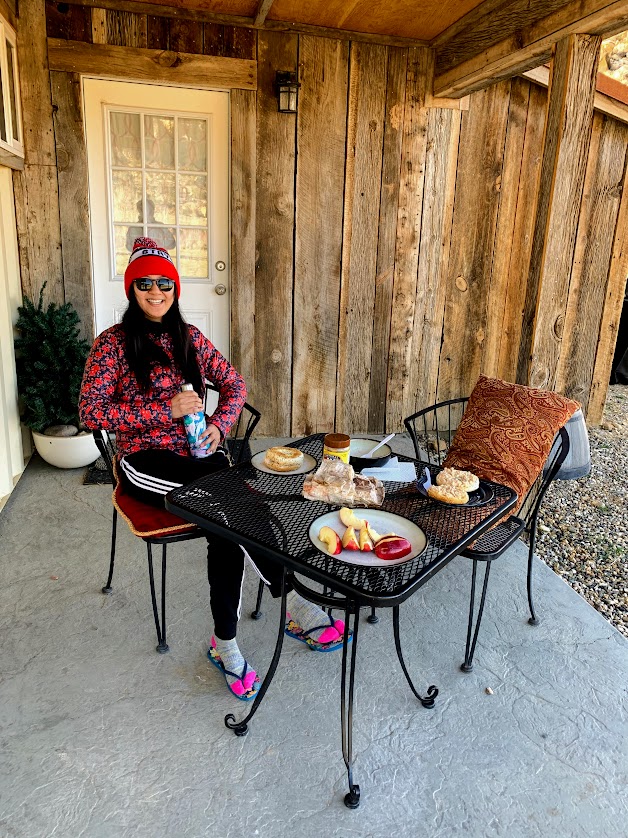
50 359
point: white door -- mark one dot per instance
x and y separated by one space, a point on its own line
11 451
158 163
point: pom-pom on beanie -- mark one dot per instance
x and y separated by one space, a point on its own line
149 259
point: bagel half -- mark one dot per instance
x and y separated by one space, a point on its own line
281 458
464 479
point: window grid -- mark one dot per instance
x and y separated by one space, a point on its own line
178 173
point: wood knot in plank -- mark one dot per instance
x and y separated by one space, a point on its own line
63 159
276 356
559 327
461 283
539 375
167 58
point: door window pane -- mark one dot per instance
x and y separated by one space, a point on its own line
126 146
161 198
192 144
193 253
166 237
159 142
123 235
127 196
11 83
3 122
193 199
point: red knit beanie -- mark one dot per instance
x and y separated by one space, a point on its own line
149 259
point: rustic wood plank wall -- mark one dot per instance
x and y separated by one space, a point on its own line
381 248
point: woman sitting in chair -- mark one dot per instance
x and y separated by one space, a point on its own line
132 385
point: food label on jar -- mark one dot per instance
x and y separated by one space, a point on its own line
343 456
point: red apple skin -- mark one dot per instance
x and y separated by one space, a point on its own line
331 539
349 539
366 544
392 547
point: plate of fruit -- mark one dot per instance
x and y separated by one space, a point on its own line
369 537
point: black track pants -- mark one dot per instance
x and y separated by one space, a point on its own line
149 476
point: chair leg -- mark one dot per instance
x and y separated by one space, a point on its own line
472 635
162 646
372 617
106 589
258 604
532 619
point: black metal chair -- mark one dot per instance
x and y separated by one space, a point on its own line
431 431
158 526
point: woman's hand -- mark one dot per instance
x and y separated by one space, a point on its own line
184 403
210 438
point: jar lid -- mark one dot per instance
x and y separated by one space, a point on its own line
337 441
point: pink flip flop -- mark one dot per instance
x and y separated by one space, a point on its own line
330 640
247 684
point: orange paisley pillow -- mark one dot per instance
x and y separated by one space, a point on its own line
507 431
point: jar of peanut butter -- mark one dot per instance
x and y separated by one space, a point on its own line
336 447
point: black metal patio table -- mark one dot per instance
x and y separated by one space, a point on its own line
268 513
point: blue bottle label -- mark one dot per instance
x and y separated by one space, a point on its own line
194 427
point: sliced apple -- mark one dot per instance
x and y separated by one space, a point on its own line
350 540
350 519
392 547
366 542
374 536
331 539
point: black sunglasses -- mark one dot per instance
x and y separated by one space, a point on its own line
145 284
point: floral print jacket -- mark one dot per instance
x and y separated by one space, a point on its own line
111 398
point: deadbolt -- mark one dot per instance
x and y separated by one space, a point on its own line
221 289
220 266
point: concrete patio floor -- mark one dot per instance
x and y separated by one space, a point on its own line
103 738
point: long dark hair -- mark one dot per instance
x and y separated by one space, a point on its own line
142 352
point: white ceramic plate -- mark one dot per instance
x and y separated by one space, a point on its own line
383 523
307 465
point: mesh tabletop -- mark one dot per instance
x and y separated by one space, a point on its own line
268 512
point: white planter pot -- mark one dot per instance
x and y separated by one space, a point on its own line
66 451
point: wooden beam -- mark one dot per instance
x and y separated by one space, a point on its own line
602 103
486 25
565 152
180 68
530 46
38 210
11 159
613 303
249 22
273 240
263 7
73 196
8 14
243 202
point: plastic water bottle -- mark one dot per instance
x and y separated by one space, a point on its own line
195 425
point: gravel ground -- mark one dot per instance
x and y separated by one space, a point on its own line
583 524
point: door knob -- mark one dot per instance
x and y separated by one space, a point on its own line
220 289
220 266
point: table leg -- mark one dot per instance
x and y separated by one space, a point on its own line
241 728
352 798
432 691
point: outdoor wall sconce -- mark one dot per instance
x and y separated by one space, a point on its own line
286 85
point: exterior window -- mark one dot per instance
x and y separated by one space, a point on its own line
159 182
10 116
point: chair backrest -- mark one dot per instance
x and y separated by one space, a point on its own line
532 501
107 450
432 431
238 440
433 428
